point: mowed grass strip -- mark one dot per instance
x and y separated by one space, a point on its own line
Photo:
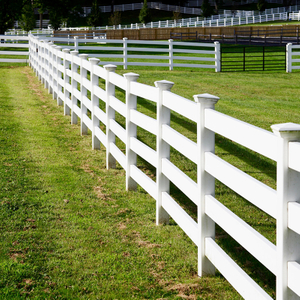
68 228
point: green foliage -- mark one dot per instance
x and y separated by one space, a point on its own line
61 11
261 5
56 18
9 12
145 14
115 18
95 17
177 15
27 19
218 5
207 10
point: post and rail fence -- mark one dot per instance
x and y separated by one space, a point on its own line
167 54
62 72
126 52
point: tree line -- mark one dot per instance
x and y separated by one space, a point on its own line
70 11
58 12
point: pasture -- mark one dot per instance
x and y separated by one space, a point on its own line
70 230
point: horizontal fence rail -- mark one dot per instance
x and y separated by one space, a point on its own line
73 79
14 49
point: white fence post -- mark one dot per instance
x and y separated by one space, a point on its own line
54 70
206 183
74 69
46 64
288 182
83 93
51 67
289 48
76 42
110 114
58 86
42 61
95 102
162 150
131 129
170 54
217 57
125 59
66 81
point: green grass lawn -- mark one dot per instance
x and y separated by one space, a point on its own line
69 230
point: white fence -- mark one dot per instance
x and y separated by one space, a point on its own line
228 18
207 22
162 53
292 57
62 72
153 5
19 32
9 46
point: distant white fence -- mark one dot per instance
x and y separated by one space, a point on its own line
228 18
9 46
62 72
153 5
19 32
207 22
295 16
162 53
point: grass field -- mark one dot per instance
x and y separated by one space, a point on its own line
69 230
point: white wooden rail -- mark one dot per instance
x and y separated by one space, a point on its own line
14 43
62 71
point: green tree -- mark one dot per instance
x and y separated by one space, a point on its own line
9 12
61 11
218 5
95 18
115 18
56 18
261 5
27 19
176 15
206 9
145 14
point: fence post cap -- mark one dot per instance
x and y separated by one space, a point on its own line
74 52
94 60
164 84
131 76
125 38
58 48
66 50
83 56
206 98
286 130
110 67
